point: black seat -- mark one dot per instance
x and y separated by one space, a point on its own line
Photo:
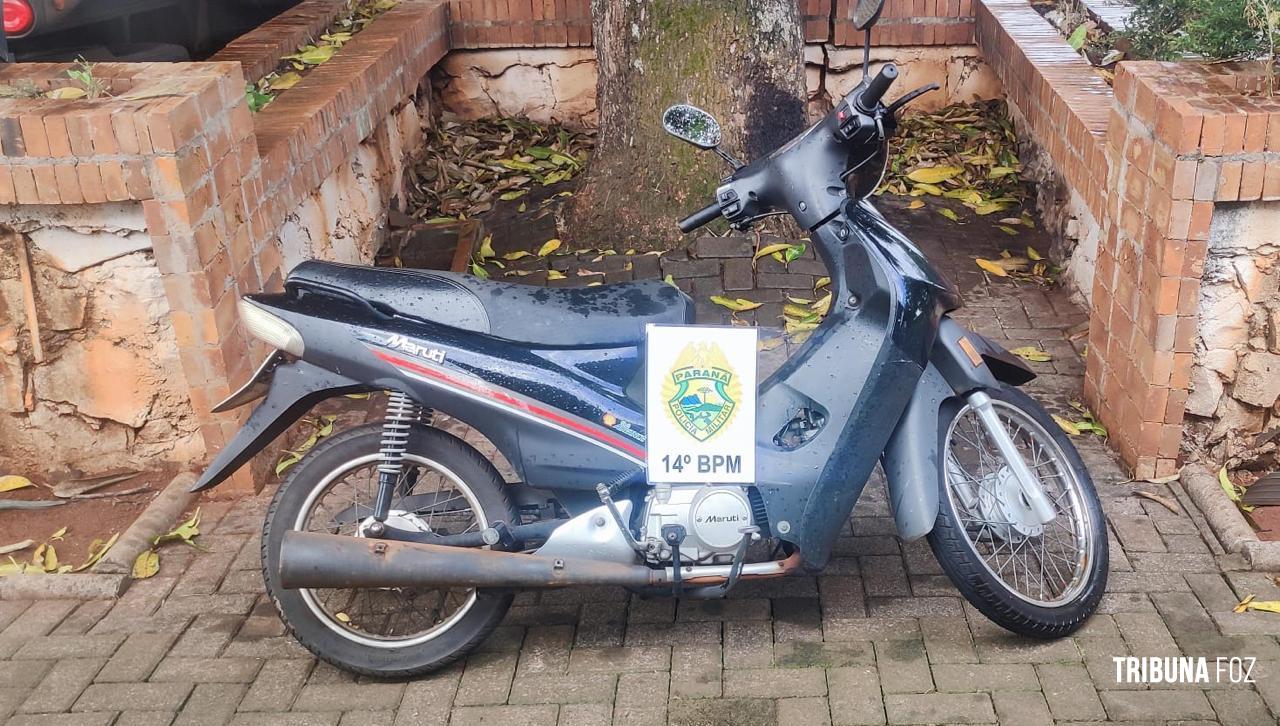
580 316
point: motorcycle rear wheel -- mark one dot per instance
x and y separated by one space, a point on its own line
1037 580
385 632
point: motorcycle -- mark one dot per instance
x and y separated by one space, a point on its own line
394 549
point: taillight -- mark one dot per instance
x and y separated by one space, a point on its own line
18 17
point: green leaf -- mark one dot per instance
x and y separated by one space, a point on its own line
735 304
770 249
794 252
1078 36
949 214
479 271
548 247
509 196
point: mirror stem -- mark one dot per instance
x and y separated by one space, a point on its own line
866 53
732 161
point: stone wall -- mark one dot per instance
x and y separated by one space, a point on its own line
105 387
219 203
1233 410
558 85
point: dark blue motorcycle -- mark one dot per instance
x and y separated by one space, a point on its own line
395 549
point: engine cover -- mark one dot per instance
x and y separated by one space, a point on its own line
713 518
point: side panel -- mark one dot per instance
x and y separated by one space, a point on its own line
295 388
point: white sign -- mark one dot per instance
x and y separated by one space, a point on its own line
701 403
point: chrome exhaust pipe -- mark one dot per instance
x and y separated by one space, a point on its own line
312 559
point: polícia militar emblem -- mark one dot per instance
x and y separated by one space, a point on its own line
701 390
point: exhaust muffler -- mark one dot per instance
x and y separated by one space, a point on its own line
312 559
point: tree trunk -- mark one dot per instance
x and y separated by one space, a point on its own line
742 60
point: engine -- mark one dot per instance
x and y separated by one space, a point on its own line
713 518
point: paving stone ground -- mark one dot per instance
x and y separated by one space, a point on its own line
881 637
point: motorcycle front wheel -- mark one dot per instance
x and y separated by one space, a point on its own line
446 487
1041 580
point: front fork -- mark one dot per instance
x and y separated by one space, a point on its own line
1029 484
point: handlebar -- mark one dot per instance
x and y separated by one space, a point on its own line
876 89
706 215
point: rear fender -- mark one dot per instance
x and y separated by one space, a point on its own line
961 362
294 388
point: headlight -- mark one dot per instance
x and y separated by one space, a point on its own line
270 329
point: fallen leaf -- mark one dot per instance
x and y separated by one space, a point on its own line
479 271
770 249
822 282
1168 503
1032 254
737 305
486 248
1032 353
16 546
13 482
992 267
67 93
1269 606
935 174
548 247
342 617
555 275
1078 36
146 565
284 81
517 255
1066 425
916 204
97 549
949 214
1233 492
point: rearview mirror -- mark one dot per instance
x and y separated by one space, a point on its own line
867 13
692 124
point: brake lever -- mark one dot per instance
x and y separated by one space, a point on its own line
908 98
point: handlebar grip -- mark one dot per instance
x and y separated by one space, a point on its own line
878 86
706 215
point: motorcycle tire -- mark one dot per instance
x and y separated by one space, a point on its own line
957 552
335 640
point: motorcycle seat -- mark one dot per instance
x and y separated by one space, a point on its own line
604 315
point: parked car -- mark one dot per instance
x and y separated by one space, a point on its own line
129 30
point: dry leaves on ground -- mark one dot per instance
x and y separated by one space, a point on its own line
965 153
468 166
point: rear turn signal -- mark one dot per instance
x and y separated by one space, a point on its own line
270 329
18 17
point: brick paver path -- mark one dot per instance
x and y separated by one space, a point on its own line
881 637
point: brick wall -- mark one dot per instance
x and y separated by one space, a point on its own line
567 23
1151 161
216 183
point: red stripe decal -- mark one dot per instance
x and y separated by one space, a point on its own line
506 399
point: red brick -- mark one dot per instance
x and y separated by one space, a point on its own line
113 183
68 184
24 185
46 184
55 128
1229 181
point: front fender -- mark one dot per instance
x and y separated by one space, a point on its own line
961 362
295 387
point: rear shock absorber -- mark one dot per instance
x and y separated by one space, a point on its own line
402 414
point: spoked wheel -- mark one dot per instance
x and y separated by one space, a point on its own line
446 487
1031 577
